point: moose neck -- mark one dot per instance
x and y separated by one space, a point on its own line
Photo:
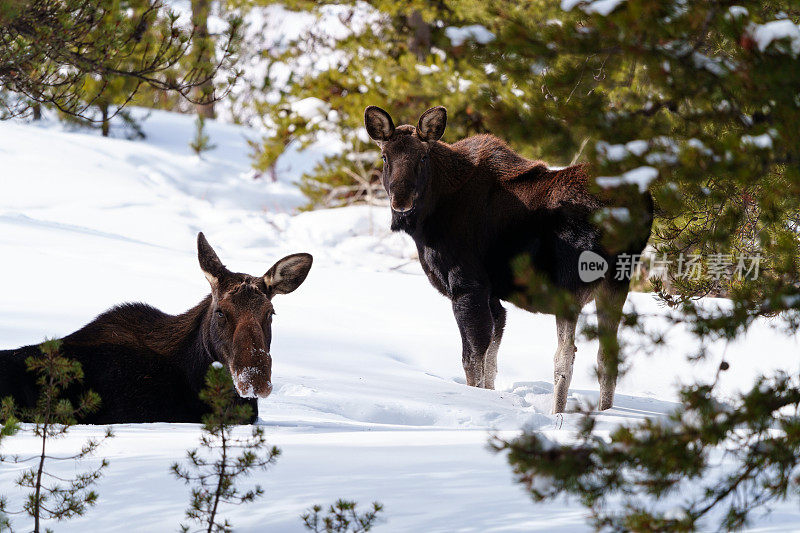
199 352
450 169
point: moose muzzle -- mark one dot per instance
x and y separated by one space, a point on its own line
251 368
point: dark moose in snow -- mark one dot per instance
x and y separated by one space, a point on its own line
148 366
475 206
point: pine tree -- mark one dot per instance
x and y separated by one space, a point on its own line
201 142
224 457
202 56
696 102
342 517
54 497
106 94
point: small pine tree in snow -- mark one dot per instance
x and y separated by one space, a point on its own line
201 142
223 457
54 497
342 517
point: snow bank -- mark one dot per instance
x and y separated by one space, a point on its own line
601 7
640 176
766 34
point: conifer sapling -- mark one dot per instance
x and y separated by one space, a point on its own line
224 457
201 142
51 496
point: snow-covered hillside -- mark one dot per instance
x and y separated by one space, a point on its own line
369 400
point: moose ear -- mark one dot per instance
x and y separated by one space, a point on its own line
378 123
210 264
432 123
288 273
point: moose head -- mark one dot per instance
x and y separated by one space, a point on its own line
238 324
405 150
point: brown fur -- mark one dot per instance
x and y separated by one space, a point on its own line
475 206
140 328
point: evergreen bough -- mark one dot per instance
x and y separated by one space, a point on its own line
83 56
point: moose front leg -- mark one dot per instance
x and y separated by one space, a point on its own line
474 318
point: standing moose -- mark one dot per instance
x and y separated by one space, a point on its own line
148 366
475 206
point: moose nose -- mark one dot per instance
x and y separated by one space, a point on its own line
402 209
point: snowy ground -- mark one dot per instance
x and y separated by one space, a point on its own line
369 401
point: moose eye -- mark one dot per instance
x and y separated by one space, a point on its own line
220 314
384 158
424 158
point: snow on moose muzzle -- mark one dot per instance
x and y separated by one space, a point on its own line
252 382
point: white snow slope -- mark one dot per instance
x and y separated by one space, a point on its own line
369 400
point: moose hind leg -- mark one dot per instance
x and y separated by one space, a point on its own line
475 324
563 360
498 324
610 300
